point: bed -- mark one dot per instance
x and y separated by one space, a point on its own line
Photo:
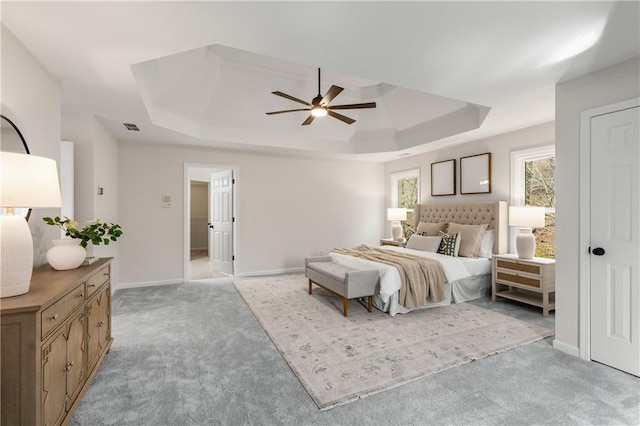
466 278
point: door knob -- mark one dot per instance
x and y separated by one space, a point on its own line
598 251
210 226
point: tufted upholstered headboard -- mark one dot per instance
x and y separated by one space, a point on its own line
494 213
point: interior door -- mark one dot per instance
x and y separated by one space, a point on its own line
221 222
615 240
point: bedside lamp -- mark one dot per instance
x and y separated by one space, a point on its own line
526 218
395 216
26 181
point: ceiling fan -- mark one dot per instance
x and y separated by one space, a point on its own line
319 106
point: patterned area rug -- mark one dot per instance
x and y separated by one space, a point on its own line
339 360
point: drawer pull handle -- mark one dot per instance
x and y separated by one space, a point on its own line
81 295
69 366
92 285
100 324
54 317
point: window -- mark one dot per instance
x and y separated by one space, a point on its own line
533 184
405 190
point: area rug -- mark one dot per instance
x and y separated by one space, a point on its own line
341 359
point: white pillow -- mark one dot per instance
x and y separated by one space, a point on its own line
486 244
419 242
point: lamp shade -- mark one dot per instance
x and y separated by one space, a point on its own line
25 181
396 214
28 181
526 216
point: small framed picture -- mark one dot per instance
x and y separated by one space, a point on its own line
443 178
475 174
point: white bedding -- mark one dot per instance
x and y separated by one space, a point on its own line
466 278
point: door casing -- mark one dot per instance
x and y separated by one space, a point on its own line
584 344
187 208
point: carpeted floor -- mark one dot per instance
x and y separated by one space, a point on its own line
194 354
340 360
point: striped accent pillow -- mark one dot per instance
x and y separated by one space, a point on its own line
450 244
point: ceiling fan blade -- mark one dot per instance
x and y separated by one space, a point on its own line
308 120
291 98
331 93
341 117
286 110
353 106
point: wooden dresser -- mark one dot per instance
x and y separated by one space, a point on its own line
53 339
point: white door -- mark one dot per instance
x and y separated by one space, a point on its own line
221 222
615 240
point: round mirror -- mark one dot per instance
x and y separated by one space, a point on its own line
11 140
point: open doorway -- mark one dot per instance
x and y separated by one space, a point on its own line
209 222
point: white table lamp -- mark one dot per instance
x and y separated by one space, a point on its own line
526 218
26 181
395 216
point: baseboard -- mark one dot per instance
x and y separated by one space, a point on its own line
566 348
147 284
180 280
271 272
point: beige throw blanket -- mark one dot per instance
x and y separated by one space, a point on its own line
420 278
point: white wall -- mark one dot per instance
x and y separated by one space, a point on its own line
96 165
608 86
500 148
31 99
288 209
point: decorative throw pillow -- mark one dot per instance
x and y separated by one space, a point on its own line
486 245
470 236
450 244
418 242
431 229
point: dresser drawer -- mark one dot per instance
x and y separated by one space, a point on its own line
518 279
60 310
94 283
518 266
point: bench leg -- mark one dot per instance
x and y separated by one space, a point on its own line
370 303
310 284
345 306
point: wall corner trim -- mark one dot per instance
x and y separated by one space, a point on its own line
566 348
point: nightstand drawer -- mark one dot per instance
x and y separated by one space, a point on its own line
518 279
518 266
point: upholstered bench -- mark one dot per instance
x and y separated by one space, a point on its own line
341 280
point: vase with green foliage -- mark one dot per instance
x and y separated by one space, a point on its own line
69 253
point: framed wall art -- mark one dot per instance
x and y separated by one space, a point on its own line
443 178
475 174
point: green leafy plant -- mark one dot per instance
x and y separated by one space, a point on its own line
95 232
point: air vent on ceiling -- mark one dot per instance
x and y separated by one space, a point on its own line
131 126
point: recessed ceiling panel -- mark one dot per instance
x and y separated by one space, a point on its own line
219 92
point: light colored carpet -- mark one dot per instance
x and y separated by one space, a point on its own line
340 360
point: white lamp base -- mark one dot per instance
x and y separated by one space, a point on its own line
525 243
16 260
396 231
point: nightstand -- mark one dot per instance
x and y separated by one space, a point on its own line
392 242
531 281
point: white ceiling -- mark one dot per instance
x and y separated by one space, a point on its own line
506 56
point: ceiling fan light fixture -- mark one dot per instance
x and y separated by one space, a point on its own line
319 112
